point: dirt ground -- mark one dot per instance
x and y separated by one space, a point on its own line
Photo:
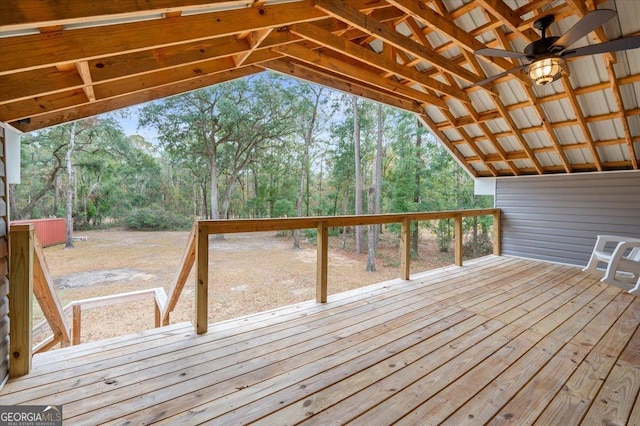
248 273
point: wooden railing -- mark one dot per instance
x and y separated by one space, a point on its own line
203 229
29 273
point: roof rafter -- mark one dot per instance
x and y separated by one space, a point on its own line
439 23
339 82
329 63
367 56
90 109
399 41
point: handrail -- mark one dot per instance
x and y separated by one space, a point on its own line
186 264
322 224
76 307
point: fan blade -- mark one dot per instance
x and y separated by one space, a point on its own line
588 23
497 76
487 51
624 43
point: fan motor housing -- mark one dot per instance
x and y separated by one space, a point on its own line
539 47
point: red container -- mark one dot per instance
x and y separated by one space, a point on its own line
49 231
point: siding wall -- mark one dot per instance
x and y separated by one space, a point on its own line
4 266
557 217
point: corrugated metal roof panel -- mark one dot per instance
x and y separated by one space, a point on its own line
486 147
481 101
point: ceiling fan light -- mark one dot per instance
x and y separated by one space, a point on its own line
546 70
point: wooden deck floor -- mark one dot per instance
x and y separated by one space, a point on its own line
499 341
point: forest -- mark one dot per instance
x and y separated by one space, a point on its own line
265 146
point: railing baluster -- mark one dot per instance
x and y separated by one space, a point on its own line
458 239
322 241
76 324
405 256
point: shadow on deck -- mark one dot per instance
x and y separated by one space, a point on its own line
500 339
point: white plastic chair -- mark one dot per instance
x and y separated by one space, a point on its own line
622 264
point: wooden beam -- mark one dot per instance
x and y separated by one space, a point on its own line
469 140
446 27
369 57
508 17
514 128
581 122
41 50
25 14
621 113
331 64
255 39
340 10
83 110
549 130
342 83
448 144
85 75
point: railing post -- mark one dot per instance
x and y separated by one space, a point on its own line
458 239
405 261
322 239
202 280
76 325
496 233
158 315
20 299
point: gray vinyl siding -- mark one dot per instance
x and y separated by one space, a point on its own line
557 217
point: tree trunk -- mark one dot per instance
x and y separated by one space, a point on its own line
304 169
56 195
377 178
371 235
417 197
358 175
215 214
70 186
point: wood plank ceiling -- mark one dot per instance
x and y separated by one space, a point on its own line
62 61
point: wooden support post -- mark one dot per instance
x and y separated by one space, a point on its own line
20 299
322 239
458 240
496 233
76 324
202 280
405 260
158 315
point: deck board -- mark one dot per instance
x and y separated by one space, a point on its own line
500 341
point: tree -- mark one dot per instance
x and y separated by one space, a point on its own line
375 194
307 113
225 125
357 173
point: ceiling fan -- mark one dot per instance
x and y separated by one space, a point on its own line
545 58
